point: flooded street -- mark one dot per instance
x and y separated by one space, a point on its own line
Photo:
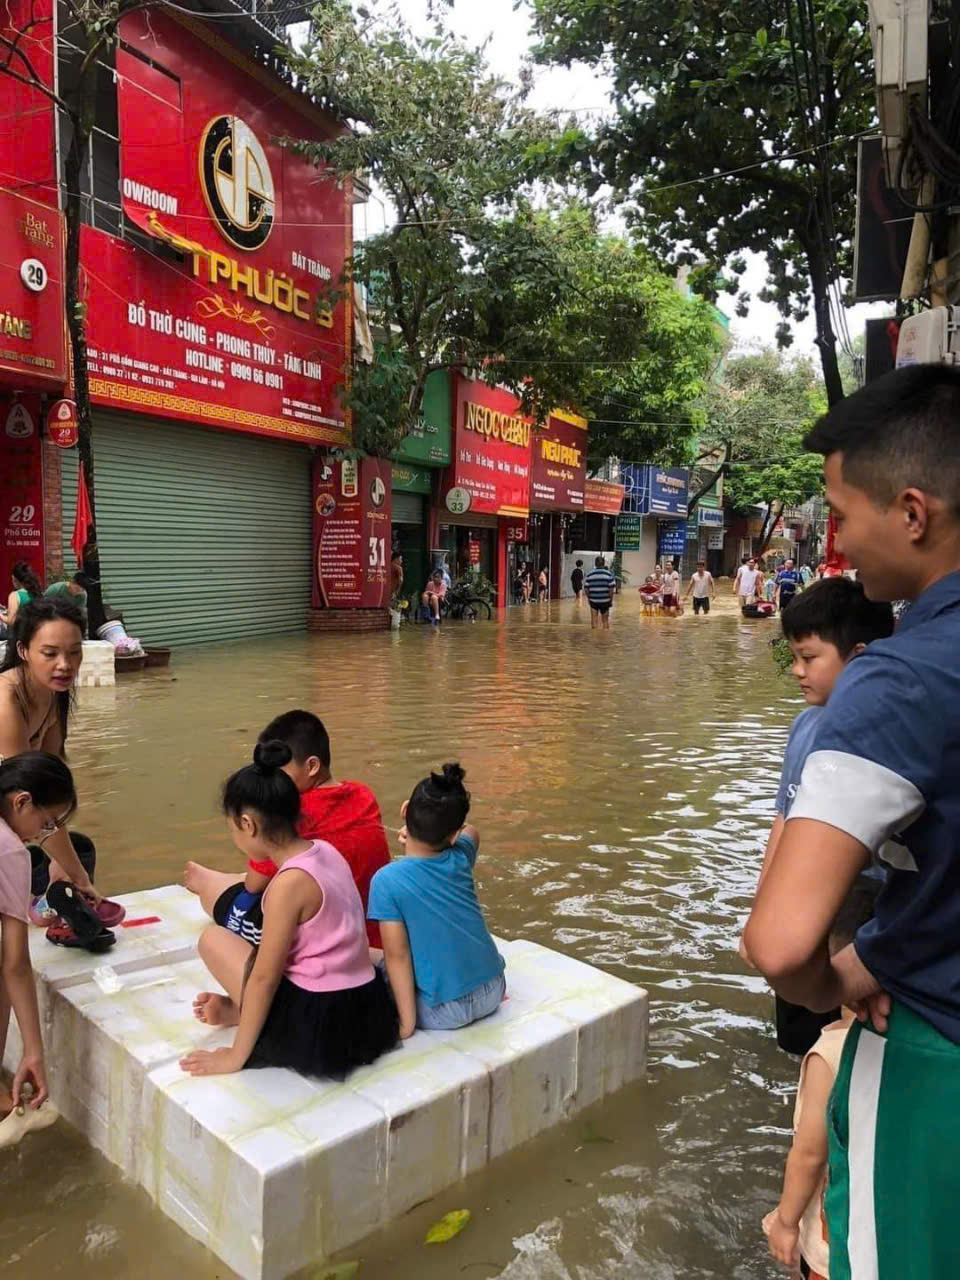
623 783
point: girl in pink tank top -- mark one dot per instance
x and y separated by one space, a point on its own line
308 996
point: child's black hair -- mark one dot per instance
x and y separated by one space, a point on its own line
837 611
44 777
304 734
264 788
438 807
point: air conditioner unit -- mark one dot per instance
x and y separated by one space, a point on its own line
898 30
932 337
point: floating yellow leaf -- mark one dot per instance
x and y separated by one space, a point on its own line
450 1225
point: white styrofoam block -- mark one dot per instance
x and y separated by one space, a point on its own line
172 938
100 1047
138 947
97 668
273 1171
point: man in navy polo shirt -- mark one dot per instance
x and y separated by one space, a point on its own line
885 766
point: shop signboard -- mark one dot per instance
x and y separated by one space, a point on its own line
671 539
602 497
351 524
62 427
410 479
558 469
491 451
667 490
429 442
33 339
710 516
629 533
21 486
220 313
517 531
715 540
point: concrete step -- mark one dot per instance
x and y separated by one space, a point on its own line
271 1170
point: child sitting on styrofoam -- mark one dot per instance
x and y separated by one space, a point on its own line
308 997
443 966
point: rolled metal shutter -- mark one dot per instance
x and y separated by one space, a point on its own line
204 535
406 508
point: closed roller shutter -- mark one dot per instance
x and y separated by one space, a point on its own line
204 535
406 508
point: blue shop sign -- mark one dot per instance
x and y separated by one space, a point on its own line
671 539
668 491
710 516
654 491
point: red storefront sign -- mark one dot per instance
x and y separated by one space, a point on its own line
351 524
603 498
33 339
28 157
221 313
517 531
491 451
62 424
473 551
559 464
21 486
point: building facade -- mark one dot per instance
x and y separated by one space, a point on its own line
216 355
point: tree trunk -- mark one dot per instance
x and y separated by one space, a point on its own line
692 503
826 338
76 321
767 532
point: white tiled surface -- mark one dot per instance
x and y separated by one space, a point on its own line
273 1171
98 664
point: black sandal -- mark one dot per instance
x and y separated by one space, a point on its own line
62 934
69 904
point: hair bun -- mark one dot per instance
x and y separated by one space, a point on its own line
450 779
271 756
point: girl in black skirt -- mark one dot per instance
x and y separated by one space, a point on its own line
308 997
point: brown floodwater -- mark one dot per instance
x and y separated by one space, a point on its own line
623 783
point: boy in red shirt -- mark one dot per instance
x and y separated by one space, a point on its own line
345 814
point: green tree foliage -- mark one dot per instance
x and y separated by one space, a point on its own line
761 412
703 90
489 267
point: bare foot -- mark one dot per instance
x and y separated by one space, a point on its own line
215 1010
195 877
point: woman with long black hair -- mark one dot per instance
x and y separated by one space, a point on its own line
37 676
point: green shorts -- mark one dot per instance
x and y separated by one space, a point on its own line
893 1188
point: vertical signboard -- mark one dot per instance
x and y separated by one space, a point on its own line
351 522
21 487
559 464
33 338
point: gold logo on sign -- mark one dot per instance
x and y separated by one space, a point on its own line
237 183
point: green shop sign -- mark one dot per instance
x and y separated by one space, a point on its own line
410 479
429 442
629 533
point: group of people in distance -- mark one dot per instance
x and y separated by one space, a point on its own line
523 584
753 585
329 952
869 826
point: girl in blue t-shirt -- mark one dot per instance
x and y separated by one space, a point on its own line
443 966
